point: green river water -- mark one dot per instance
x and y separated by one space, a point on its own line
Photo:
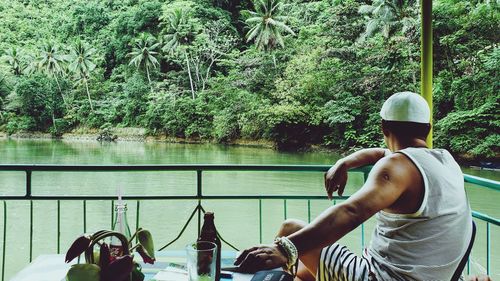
237 221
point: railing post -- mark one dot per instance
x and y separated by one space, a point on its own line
28 184
84 216
199 194
309 210
487 248
138 206
4 246
199 187
58 226
112 213
285 213
260 221
198 208
31 230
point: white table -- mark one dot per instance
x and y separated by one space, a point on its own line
53 268
44 268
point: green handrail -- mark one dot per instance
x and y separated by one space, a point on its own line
495 185
169 167
199 169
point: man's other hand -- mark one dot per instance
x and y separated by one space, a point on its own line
336 179
260 258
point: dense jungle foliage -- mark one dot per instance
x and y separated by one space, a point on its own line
295 72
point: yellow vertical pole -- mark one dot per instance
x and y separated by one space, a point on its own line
426 57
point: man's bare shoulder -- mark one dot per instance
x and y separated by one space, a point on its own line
397 174
396 167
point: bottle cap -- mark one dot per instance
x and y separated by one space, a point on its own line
121 206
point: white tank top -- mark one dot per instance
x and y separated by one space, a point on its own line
428 244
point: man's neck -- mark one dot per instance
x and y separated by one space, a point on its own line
399 144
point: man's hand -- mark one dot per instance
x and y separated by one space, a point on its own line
336 179
261 258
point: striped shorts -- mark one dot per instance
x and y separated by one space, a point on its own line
336 262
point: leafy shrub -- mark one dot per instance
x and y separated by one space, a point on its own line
291 127
225 126
20 124
134 102
40 100
232 111
179 116
471 132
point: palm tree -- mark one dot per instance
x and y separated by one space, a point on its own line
31 64
51 61
178 34
143 54
389 16
81 64
177 30
13 57
267 25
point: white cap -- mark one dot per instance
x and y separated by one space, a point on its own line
407 107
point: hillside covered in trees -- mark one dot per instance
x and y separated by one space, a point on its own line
295 72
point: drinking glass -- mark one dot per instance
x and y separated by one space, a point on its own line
201 261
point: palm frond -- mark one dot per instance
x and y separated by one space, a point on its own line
253 32
279 39
365 9
254 20
153 61
284 27
261 7
275 6
265 37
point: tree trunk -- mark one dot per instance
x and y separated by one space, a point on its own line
208 73
197 72
88 94
60 91
149 79
189 73
54 121
411 63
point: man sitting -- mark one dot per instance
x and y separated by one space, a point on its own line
424 222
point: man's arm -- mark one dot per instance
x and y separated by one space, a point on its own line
388 180
336 177
386 183
363 157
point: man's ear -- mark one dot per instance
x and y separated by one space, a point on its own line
384 129
429 127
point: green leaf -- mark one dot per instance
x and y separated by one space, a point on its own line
77 248
84 272
146 240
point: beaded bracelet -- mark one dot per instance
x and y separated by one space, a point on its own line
289 250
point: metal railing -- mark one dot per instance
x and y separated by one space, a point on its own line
199 196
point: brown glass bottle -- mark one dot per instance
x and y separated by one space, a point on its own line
209 233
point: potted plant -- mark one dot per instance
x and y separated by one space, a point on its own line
99 267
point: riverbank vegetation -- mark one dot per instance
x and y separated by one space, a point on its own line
293 72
